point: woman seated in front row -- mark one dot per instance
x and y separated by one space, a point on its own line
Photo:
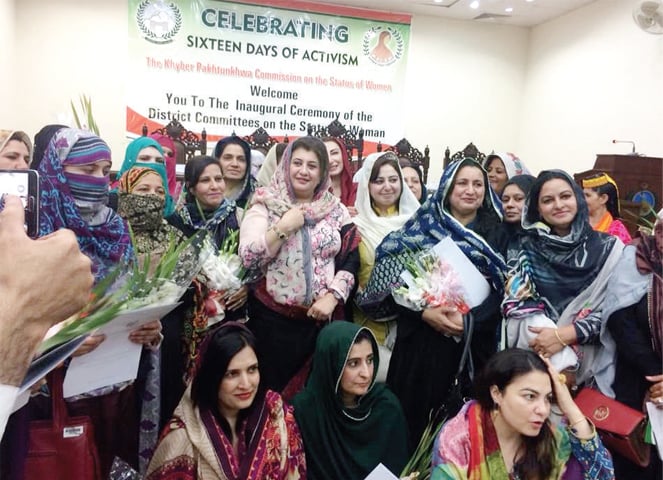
226 425
506 432
349 422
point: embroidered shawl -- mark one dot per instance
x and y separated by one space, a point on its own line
193 445
431 223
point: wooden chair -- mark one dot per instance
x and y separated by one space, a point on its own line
470 151
352 142
187 143
260 140
405 150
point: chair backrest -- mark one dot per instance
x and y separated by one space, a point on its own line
260 140
470 151
352 141
404 149
187 143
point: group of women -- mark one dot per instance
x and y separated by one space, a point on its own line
316 372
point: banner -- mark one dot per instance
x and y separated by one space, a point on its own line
234 67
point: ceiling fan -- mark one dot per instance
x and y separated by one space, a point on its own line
648 15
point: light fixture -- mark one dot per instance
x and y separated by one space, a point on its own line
438 1
474 5
508 9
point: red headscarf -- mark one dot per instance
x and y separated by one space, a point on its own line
171 160
348 189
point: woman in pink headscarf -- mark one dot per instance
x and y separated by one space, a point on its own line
170 155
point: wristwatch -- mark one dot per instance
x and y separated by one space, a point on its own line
279 233
337 296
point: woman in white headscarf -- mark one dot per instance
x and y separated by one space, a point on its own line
501 167
384 203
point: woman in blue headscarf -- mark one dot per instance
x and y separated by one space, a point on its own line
426 356
146 152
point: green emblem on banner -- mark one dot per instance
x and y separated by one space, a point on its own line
158 21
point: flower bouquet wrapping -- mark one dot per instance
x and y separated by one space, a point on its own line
143 284
222 273
430 282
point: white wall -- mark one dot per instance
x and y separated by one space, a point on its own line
464 82
592 76
66 48
555 94
7 71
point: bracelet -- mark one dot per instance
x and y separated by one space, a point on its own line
577 422
560 339
279 233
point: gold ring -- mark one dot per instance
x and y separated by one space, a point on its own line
562 378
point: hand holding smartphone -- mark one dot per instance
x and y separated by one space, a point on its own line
25 185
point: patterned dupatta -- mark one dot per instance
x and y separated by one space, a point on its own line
431 223
562 267
106 240
475 453
649 260
194 445
279 197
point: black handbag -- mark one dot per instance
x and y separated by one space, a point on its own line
460 385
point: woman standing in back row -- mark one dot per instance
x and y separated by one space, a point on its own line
301 237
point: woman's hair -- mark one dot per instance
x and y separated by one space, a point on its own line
390 159
193 170
232 140
42 139
364 334
500 371
533 214
405 163
487 219
524 182
315 145
602 184
223 345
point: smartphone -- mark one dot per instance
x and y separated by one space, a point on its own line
25 185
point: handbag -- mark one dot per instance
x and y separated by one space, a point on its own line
455 398
621 428
62 448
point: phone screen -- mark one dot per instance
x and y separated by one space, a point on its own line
25 185
15 183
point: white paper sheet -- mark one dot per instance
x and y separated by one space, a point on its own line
116 359
381 473
656 419
474 284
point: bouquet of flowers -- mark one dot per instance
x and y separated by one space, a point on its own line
160 282
222 272
148 283
430 282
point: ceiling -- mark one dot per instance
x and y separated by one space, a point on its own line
524 13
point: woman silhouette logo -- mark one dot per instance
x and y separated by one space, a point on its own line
383 45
